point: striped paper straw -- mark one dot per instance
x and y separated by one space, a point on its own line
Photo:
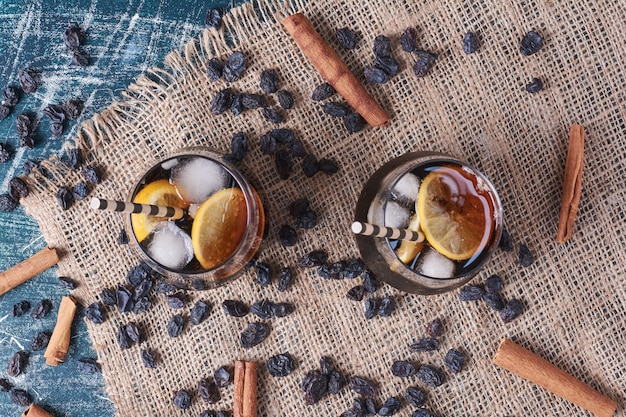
128 207
368 229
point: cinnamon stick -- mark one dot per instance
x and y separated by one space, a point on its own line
533 368
60 338
27 269
333 69
572 183
245 389
35 411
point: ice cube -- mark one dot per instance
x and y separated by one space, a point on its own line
199 178
396 215
407 188
433 264
193 209
169 164
170 246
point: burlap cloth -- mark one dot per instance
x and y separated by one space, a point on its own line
473 106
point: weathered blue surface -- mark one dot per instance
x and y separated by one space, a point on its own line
124 39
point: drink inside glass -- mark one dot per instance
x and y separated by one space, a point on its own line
454 208
222 227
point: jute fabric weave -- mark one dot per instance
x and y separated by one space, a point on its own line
472 106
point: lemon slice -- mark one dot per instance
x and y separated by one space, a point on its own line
453 214
408 250
160 193
219 226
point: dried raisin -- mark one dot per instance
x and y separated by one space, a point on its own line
506 243
347 39
471 293
88 365
5 385
255 333
21 397
354 122
364 387
235 308
95 313
310 166
273 115
208 391
41 309
511 310
177 300
4 111
470 43
92 174
534 86
387 306
375 75
280 365
222 101
415 396
336 381
356 293
531 43
315 386
234 67
435 328
285 276
388 64
65 198
148 358
80 191
23 125
285 99
222 377
253 101
124 297
382 46
287 235
17 363
369 307
73 108
17 188
370 282
123 340
403 369
525 256
20 308
175 325
408 40
214 69
426 344
493 283
312 259
269 81
182 399
264 274
282 309
213 18
322 92
81 58
135 333
390 407
263 309
336 109
284 164
40 341
108 297
199 312
431 376
494 300
29 80
10 96
455 361
425 61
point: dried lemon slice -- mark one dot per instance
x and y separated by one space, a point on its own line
160 193
219 226
453 214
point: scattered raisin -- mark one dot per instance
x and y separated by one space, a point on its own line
163 287
280 365
17 188
315 386
297 149
287 235
531 43
123 340
29 80
285 99
148 358
253 101
135 333
369 307
222 377
455 361
425 61
370 282
506 243
55 113
92 174
40 341
336 381
80 191
415 396
387 306
493 283
73 108
21 397
255 333
269 81
273 115
494 300
235 308
23 125
471 293
299 206
284 164
408 40
199 312
511 310
177 300
65 198
95 313
214 69
534 86
336 109
263 309
388 64
267 143
27 142
312 259
213 18
81 58
17 363
310 166
285 276
56 129
354 122
426 344
470 43
431 376
222 101
356 293
364 387
208 391
88 365
5 385
182 399
236 107
322 92
283 135
73 35
74 157
234 67
4 111
282 309
347 39
264 274
382 46
390 407
403 369
375 75
5 155
238 148
10 96
306 220
41 309
435 328
175 325
525 257
7 203
20 308
122 237
371 407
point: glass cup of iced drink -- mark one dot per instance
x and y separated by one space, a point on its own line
449 204
220 231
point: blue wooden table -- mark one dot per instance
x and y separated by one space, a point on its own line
124 39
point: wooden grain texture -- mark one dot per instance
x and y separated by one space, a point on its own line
124 39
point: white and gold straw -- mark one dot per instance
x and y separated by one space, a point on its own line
368 229
128 207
